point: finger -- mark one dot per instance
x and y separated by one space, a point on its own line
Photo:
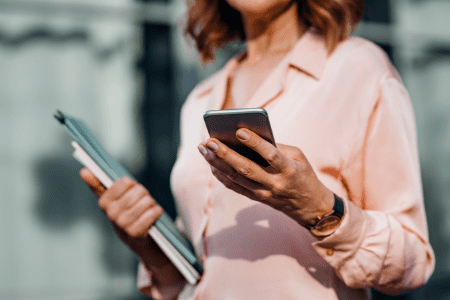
127 200
234 186
133 213
239 179
262 195
268 151
218 165
118 188
93 183
241 164
139 228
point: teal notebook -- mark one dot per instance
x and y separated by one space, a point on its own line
173 243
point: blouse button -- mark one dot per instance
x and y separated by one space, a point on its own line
329 252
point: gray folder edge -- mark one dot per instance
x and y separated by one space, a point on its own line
86 139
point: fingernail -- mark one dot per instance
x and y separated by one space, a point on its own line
243 135
202 150
213 146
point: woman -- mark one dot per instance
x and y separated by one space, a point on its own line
340 208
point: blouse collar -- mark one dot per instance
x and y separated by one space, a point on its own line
309 55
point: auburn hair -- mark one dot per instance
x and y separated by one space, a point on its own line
214 23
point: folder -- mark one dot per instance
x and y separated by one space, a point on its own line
89 152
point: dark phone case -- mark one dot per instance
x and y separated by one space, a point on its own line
223 124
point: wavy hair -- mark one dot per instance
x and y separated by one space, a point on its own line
214 23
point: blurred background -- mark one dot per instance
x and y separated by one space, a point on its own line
124 68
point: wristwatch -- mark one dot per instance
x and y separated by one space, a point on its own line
327 225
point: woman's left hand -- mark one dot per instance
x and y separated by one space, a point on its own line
288 184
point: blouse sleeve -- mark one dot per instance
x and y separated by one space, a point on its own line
159 284
382 243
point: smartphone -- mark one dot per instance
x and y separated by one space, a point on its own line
223 124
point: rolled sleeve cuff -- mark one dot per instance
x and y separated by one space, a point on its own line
345 241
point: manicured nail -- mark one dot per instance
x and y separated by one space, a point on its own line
213 146
202 150
243 135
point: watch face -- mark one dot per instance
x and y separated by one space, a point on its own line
326 226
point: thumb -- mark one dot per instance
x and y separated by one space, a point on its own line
94 184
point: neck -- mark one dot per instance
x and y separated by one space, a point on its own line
274 35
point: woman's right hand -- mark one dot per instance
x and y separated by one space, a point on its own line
132 211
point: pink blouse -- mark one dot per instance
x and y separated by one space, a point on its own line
351 115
